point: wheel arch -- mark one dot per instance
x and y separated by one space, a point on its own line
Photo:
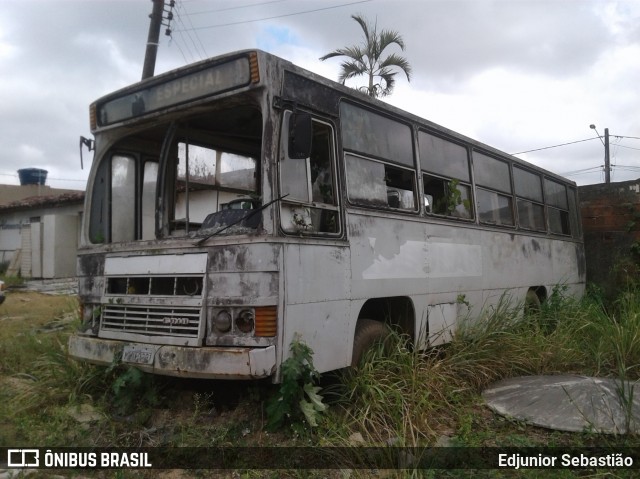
398 312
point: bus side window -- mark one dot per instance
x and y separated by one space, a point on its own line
494 195
446 177
448 197
379 185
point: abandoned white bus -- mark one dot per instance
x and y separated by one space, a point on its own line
241 202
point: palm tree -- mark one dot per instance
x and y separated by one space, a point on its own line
366 59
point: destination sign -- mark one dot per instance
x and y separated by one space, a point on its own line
202 83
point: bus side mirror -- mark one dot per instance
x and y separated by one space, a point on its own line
299 136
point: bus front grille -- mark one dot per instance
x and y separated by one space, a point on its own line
181 322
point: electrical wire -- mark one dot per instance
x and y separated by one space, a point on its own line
593 169
622 136
237 7
199 46
189 57
554 146
48 178
278 16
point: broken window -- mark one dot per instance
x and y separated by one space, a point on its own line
447 184
211 164
448 197
208 178
377 184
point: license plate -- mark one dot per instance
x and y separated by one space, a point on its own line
138 354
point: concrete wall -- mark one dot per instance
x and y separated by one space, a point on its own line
611 222
9 241
54 245
59 246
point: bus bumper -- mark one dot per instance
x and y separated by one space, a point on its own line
181 361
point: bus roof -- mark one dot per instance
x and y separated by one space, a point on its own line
241 70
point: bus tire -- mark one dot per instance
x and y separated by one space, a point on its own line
368 333
532 304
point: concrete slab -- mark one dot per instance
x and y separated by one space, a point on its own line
569 402
58 286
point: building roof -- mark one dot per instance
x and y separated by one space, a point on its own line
13 193
51 200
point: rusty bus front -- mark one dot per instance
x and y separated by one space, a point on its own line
178 268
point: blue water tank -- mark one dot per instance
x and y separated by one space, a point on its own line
32 176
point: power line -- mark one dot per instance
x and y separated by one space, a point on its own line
554 146
627 147
628 167
236 8
277 16
48 178
620 136
184 57
203 51
593 169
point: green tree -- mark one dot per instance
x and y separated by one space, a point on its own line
366 59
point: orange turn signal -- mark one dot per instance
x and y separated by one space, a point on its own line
266 321
93 119
253 67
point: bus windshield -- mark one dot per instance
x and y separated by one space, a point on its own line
189 177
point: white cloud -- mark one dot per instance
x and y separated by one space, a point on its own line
515 74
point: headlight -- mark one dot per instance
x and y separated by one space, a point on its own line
222 321
245 321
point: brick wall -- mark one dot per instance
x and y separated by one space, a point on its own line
611 223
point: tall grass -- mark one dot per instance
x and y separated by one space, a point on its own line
398 396
52 379
410 398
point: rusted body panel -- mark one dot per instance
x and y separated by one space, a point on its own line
318 301
443 268
177 327
203 362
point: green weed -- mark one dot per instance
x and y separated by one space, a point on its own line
298 396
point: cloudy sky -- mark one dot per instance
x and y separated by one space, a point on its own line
517 74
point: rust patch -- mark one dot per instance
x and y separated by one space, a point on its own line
535 245
91 265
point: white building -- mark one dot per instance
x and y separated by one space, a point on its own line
39 230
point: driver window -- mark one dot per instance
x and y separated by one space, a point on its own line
311 206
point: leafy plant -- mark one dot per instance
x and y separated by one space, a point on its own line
131 388
298 396
454 198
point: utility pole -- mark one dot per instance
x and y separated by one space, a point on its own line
153 39
607 160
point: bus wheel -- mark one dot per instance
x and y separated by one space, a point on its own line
368 333
532 304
